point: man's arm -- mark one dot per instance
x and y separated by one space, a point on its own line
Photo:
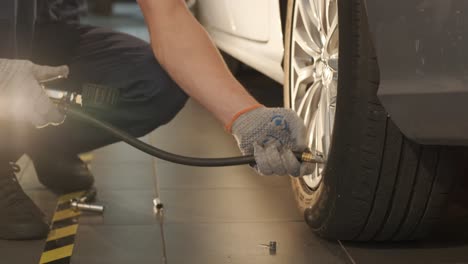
185 50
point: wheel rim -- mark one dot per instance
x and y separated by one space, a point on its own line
314 73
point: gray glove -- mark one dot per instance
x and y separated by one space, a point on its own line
22 98
272 134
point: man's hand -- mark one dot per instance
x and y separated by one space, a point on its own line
272 134
22 98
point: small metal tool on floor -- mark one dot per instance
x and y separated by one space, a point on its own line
271 246
84 203
158 205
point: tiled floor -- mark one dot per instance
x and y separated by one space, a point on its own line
216 215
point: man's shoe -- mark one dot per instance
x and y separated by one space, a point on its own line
63 174
20 218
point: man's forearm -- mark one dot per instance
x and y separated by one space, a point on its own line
185 50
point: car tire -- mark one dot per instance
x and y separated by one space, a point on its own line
377 185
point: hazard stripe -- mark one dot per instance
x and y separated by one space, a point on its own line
66 260
66 222
60 241
56 254
65 214
62 232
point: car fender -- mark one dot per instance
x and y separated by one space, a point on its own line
421 50
265 52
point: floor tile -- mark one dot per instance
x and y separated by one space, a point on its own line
241 243
126 174
409 252
230 205
118 245
21 252
195 132
172 176
123 176
120 152
122 207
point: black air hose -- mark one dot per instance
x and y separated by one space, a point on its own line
77 113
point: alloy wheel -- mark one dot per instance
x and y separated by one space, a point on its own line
314 73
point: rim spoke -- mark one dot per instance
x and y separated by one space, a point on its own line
319 124
310 102
303 72
308 12
325 111
314 73
304 76
310 116
333 64
306 44
310 21
333 39
305 102
311 130
332 13
317 9
332 91
321 10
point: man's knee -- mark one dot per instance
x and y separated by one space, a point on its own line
158 110
155 98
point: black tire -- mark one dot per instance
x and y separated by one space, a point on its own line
377 184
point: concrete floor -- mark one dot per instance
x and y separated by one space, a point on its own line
218 215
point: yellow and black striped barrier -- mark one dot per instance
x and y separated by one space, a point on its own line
60 242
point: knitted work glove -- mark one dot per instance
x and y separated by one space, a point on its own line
21 96
272 134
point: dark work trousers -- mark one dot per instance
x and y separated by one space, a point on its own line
149 98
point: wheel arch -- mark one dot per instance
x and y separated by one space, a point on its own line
421 49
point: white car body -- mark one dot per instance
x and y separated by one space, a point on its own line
250 31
